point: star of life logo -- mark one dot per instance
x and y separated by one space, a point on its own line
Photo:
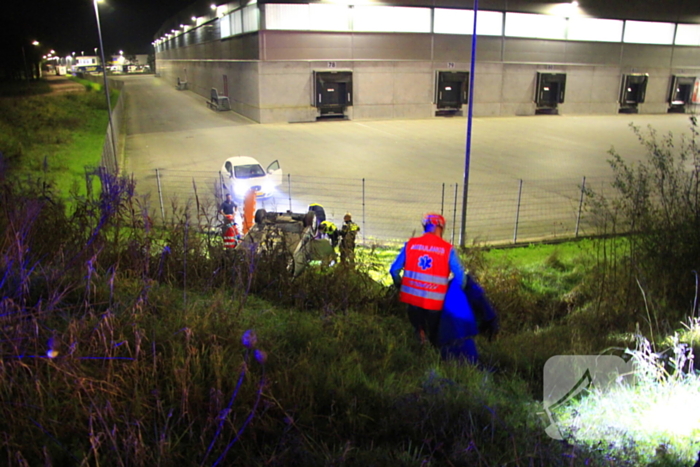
425 262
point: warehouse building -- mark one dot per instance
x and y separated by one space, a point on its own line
300 62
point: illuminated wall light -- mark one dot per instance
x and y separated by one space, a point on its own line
535 26
237 22
225 26
329 17
688 34
595 30
212 6
294 17
647 32
391 19
452 21
250 17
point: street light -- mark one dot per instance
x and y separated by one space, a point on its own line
104 76
468 149
24 57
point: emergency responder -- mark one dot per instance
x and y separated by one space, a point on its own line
329 229
229 230
231 236
249 203
348 235
427 262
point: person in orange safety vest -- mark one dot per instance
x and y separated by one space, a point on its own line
249 203
230 232
427 262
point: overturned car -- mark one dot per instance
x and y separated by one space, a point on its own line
289 233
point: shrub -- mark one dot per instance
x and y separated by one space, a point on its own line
657 205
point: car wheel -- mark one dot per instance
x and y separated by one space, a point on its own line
310 220
260 215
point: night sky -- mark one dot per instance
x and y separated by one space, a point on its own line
70 26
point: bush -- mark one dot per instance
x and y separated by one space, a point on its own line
122 346
657 206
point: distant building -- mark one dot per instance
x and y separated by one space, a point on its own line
115 64
84 64
300 61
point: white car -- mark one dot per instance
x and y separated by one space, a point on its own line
241 173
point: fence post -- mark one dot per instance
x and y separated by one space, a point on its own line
442 202
184 259
580 205
196 198
364 227
88 181
160 196
454 215
289 190
517 212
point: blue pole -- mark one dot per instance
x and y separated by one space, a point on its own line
468 150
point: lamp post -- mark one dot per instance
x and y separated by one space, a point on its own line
24 57
468 150
104 76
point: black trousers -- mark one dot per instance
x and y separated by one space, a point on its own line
427 320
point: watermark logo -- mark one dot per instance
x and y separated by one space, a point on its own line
567 377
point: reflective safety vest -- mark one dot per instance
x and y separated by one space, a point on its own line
230 233
426 272
328 227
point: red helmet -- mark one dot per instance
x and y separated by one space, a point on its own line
432 219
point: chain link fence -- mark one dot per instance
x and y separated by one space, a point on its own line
390 212
112 146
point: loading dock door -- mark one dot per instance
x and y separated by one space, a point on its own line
549 92
681 93
452 89
332 92
634 89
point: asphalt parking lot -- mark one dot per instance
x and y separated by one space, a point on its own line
388 172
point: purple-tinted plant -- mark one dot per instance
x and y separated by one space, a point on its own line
249 340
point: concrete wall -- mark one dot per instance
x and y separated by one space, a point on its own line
269 75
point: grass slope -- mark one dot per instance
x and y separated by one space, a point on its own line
125 344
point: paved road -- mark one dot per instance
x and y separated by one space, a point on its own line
61 84
404 162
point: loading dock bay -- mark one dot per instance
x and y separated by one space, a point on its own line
168 129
